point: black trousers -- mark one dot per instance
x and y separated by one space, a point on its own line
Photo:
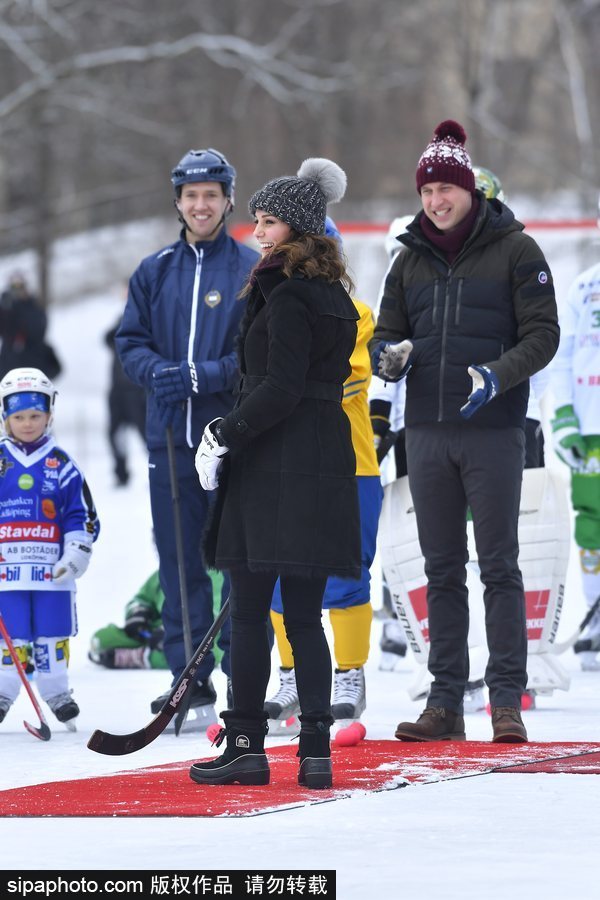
251 594
451 468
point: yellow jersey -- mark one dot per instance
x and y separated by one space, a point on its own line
355 401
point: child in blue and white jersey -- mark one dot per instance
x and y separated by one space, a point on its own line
48 524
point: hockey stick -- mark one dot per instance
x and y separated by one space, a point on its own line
121 744
565 645
387 442
185 606
43 732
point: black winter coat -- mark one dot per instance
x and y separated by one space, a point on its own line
23 324
494 306
288 500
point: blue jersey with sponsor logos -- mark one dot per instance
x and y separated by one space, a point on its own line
44 499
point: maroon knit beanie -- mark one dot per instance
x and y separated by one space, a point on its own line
445 158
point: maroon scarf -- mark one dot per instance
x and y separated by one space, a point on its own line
450 242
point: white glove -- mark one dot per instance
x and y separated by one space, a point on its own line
209 457
73 563
393 359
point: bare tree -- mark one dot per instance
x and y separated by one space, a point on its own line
99 101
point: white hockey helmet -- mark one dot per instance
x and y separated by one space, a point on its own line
397 227
30 382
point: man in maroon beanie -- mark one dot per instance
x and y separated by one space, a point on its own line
468 314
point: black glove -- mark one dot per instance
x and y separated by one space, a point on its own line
379 411
139 627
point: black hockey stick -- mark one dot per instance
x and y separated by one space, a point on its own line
387 442
43 731
565 645
121 744
185 606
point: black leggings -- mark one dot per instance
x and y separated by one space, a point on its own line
251 594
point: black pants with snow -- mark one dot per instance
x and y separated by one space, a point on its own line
251 594
451 468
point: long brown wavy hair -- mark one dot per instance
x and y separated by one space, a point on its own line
310 255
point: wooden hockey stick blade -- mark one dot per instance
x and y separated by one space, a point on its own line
122 744
565 645
42 731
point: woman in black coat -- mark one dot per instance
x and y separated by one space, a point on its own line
287 505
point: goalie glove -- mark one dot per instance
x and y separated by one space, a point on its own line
393 364
485 388
73 563
209 457
568 442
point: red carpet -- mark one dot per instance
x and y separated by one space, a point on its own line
370 766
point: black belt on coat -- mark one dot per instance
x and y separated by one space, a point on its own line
314 390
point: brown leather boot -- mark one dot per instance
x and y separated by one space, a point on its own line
434 724
508 725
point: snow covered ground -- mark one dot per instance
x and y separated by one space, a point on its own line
486 837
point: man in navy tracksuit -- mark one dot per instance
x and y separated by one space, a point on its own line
176 339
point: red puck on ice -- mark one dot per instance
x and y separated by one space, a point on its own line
353 734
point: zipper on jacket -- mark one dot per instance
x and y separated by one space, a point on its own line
192 335
443 347
436 293
458 301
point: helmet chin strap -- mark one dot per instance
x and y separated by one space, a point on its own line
227 212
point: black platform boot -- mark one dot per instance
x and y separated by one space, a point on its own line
315 754
244 760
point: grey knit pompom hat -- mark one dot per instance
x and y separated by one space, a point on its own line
301 200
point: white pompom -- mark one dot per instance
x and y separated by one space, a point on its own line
328 175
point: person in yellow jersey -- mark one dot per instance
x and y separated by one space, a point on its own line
348 601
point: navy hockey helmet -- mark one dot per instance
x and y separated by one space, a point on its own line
204 165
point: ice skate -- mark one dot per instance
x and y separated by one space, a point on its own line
201 710
474 698
65 709
283 708
392 644
587 649
588 660
5 705
349 694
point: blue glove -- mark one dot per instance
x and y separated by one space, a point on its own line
174 384
485 388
